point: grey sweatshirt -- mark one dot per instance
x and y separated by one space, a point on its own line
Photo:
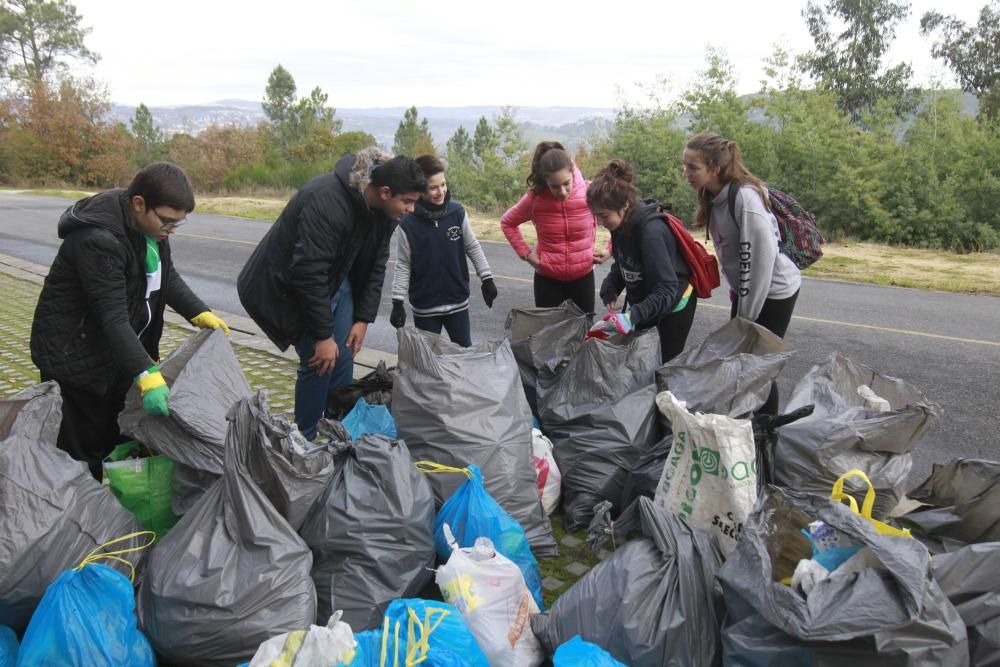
748 251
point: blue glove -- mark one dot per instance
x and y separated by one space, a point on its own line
620 322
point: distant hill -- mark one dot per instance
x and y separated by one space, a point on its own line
571 125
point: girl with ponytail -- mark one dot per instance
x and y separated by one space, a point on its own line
648 264
763 282
564 256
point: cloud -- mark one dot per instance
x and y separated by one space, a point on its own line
444 53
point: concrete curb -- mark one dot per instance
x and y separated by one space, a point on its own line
244 331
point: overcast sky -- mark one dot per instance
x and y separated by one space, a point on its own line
447 53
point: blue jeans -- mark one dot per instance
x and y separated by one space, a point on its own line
312 390
456 324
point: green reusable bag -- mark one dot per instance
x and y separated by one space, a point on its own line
142 485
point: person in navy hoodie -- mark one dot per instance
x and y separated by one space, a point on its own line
432 270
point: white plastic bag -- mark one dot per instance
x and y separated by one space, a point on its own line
489 590
330 645
549 477
710 478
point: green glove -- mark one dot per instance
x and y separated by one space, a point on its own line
154 391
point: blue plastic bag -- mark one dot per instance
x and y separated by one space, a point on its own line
365 418
86 618
406 622
8 647
578 653
472 512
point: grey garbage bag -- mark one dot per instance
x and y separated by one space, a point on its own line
963 502
291 471
645 474
970 577
600 412
205 381
846 432
232 572
372 532
52 511
651 602
730 372
540 335
465 406
892 616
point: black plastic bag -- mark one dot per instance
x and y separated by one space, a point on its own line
894 615
651 603
730 373
205 381
599 410
462 406
375 388
232 572
372 532
52 510
846 431
963 502
970 578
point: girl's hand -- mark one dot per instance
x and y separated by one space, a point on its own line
532 258
613 307
601 256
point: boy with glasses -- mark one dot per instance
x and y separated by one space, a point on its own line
99 318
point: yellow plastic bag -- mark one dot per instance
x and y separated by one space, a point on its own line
866 507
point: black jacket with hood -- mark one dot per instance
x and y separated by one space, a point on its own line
93 304
325 234
648 265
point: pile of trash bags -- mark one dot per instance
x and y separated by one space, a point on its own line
414 528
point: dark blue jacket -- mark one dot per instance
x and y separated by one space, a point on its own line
439 267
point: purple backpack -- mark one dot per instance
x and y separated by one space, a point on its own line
800 237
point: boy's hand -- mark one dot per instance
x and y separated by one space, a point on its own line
209 320
489 292
398 316
324 357
154 391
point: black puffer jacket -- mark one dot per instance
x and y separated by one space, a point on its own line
326 233
648 265
92 306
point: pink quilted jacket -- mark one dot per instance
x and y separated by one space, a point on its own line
565 230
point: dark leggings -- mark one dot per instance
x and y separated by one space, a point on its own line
550 292
674 329
775 317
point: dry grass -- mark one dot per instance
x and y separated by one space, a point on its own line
242 207
976 273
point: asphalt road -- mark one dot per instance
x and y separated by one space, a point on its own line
947 345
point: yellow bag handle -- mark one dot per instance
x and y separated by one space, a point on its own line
429 467
866 506
95 555
417 647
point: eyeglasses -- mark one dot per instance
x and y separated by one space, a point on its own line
167 224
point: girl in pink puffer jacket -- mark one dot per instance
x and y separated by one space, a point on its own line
564 256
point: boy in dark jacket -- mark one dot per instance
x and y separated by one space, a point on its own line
315 280
432 269
99 318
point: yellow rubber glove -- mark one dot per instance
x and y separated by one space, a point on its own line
209 320
154 391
